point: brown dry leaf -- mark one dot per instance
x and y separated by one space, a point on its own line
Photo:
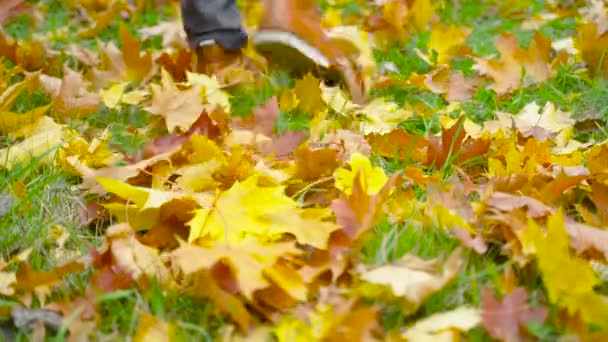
139 261
101 20
180 108
507 202
504 319
172 33
453 146
40 283
313 163
128 65
30 55
138 66
399 144
585 238
71 99
507 72
415 279
358 212
592 47
10 9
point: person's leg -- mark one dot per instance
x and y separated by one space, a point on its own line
209 22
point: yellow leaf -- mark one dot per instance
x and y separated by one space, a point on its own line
382 116
434 327
10 122
569 280
47 135
288 100
551 119
415 279
152 329
247 209
248 259
9 95
7 280
446 40
204 149
291 329
130 213
308 92
422 11
112 96
198 177
212 94
373 178
180 108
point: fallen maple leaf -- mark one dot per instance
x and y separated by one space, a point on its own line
180 108
399 144
446 41
359 211
45 138
506 73
415 279
372 178
453 146
151 328
71 99
441 326
10 9
504 319
382 116
249 262
266 213
569 280
592 47
531 119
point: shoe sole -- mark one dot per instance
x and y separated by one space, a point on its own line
288 51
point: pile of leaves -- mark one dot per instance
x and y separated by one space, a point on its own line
469 197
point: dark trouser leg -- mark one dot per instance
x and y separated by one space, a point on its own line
213 20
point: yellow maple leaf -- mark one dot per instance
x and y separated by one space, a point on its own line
413 278
44 138
211 92
249 259
309 93
422 11
382 116
569 280
506 72
373 178
10 122
153 329
180 108
247 209
446 40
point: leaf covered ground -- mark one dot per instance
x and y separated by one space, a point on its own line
467 200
